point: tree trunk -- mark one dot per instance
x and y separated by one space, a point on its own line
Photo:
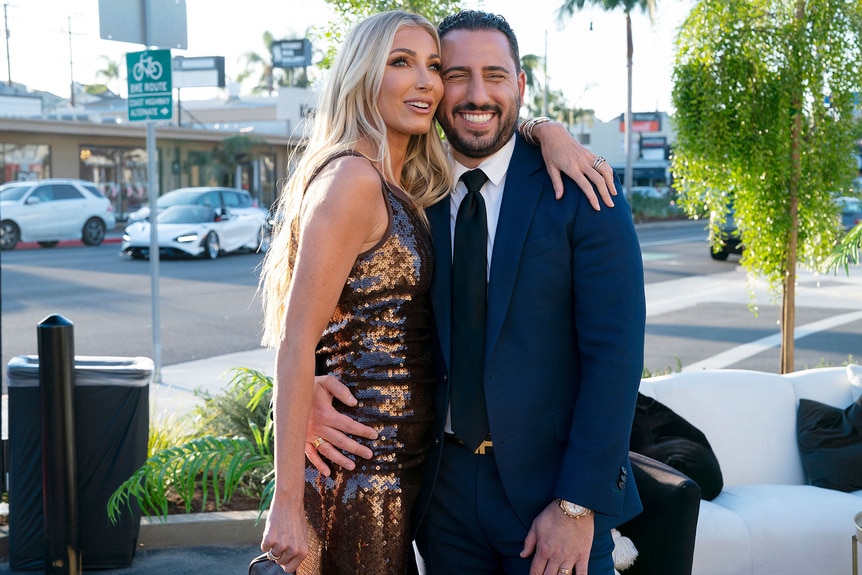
788 305
628 132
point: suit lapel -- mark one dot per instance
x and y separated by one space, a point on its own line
520 197
441 281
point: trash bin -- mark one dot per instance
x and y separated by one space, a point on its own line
111 402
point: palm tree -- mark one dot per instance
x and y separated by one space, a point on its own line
270 77
568 9
110 73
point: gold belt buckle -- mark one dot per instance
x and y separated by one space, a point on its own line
482 446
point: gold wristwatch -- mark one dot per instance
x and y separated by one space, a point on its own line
573 509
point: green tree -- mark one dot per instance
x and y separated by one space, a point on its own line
233 151
765 117
349 12
568 9
268 76
110 75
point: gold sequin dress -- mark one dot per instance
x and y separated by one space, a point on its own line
378 343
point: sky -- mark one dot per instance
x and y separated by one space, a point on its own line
51 42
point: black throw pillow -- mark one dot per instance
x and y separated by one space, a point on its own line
830 442
661 434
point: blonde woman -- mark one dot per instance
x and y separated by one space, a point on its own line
345 291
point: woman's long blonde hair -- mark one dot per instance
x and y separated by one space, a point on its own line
347 112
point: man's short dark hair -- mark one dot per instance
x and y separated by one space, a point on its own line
479 20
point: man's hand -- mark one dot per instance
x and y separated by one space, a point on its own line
559 542
327 424
562 153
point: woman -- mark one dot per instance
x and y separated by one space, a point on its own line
355 265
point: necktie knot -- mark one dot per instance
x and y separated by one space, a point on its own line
474 180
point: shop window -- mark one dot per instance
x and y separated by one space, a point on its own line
21 162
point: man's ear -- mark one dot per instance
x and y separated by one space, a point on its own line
522 84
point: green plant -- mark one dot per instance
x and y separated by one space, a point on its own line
208 461
646 373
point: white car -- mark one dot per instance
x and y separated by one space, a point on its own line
197 231
50 210
236 200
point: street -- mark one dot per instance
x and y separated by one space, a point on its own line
698 308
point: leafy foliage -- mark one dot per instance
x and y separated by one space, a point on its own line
241 458
349 12
765 116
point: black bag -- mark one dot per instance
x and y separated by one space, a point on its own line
261 565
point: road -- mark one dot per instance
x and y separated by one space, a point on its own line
698 308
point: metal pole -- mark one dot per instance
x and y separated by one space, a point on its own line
8 58
71 66
59 469
153 192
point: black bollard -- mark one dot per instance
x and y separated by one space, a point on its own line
59 470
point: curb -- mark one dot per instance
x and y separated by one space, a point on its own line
66 243
219 528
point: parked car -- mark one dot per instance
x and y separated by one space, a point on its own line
727 233
235 199
197 231
50 210
851 212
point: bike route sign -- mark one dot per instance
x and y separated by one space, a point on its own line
150 90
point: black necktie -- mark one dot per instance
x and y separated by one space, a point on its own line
469 295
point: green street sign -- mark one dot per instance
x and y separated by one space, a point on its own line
150 90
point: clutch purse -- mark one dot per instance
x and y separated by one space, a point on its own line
261 565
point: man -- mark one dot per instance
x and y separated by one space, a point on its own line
563 344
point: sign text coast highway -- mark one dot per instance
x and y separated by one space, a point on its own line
150 90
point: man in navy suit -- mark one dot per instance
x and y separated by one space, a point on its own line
563 344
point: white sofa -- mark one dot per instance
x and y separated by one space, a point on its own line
767 519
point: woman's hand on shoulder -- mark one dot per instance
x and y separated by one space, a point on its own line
562 153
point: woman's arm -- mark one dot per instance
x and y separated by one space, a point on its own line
562 153
344 214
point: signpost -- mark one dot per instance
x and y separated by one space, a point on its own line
150 90
152 23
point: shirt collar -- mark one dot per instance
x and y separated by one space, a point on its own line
494 166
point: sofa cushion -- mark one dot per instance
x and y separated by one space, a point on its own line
830 441
661 434
749 418
791 529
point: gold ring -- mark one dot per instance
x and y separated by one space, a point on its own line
565 571
318 442
598 162
272 557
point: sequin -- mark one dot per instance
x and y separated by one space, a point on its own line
378 343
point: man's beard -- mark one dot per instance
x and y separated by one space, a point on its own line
474 146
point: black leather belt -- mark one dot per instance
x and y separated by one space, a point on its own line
485 448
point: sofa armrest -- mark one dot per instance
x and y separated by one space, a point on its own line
664 532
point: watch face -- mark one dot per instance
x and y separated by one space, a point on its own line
574 509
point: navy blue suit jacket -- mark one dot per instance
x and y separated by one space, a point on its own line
564 345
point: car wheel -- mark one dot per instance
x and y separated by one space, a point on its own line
93 232
720 255
10 235
50 244
212 245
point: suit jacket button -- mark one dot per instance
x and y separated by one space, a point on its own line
436 442
621 484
